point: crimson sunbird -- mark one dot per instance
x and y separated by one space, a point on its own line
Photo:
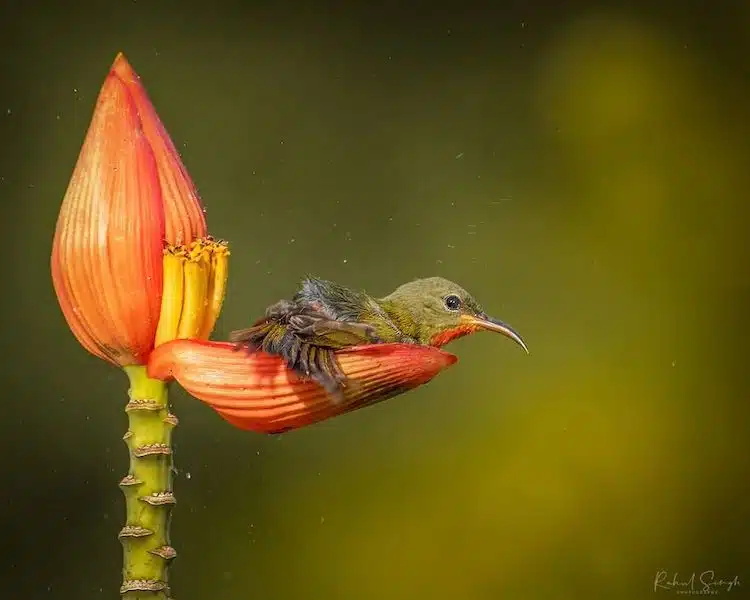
323 317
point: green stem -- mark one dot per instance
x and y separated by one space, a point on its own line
147 489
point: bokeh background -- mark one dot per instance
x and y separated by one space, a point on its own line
581 167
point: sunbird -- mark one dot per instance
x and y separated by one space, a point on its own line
324 317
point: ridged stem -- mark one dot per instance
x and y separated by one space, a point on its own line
147 489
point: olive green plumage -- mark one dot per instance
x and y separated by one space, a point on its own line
324 317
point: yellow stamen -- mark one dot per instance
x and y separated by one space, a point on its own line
171 300
195 279
217 284
195 300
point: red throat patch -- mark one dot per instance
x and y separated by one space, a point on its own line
441 339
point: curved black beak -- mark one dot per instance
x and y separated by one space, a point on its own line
489 324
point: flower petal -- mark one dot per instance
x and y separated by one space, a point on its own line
185 218
255 391
107 250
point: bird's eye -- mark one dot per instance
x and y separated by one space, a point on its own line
452 302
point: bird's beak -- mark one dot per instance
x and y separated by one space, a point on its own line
482 321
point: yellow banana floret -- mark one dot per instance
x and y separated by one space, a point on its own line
217 285
194 284
197 267
171 300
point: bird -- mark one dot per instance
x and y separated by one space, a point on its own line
324 317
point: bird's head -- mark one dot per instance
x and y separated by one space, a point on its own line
436 311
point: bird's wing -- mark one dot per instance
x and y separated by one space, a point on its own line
307 340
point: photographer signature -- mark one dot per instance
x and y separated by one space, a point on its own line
698 583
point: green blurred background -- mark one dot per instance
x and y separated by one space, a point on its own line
581 167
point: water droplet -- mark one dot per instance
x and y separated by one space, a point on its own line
322 520
187 475
674 363
345 261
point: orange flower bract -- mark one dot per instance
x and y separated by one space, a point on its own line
128 195
255 391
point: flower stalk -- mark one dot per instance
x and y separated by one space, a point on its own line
133 267
147 488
